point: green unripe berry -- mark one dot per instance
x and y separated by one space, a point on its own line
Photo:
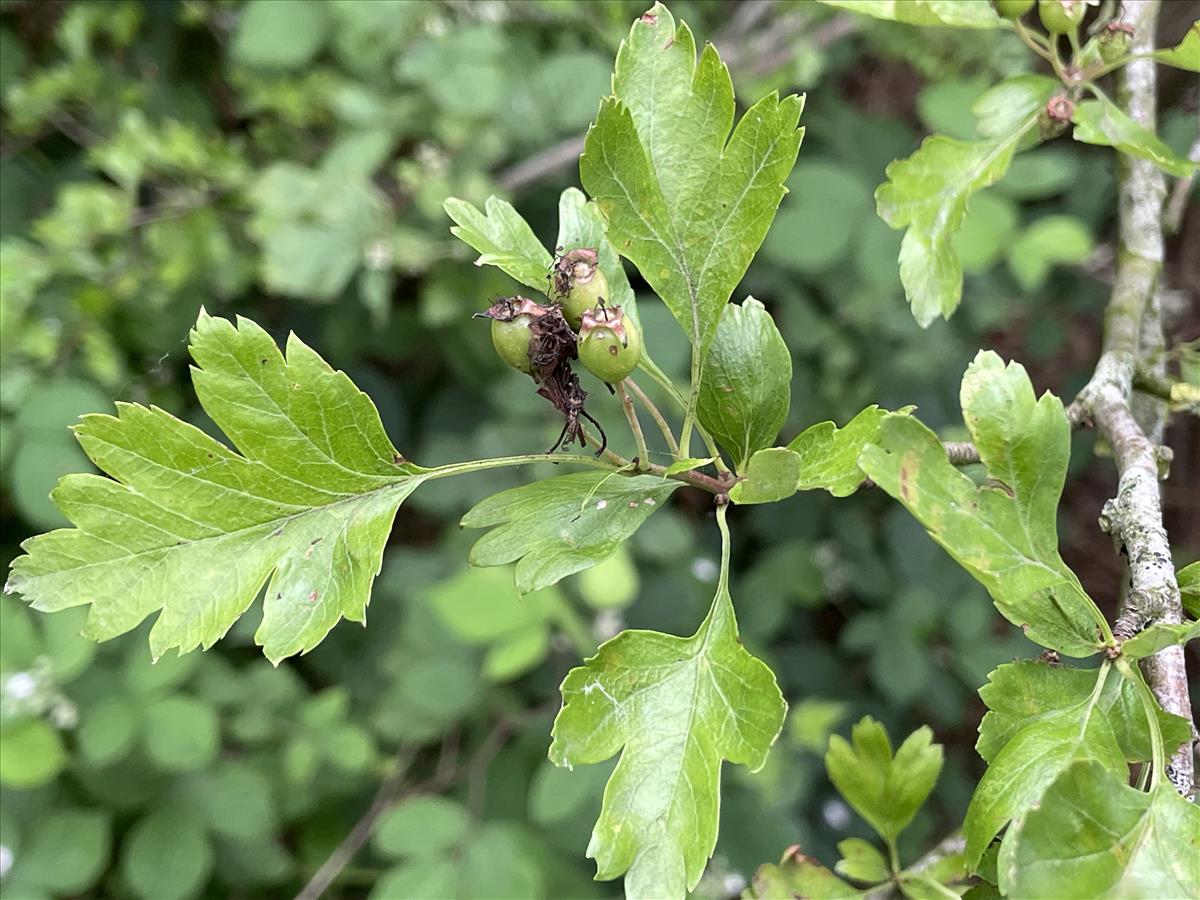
610 344
1114 40
1060 16
512 320
1013 9
578 284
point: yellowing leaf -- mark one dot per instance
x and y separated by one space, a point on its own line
1101 122
928 193
675 708
1004 533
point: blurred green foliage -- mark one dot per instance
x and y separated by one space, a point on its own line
288 160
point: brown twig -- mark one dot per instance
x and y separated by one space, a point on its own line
389 792
1134 517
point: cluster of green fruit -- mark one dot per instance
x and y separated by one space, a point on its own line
1060 17
607 342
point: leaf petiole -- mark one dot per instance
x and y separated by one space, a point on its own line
664 427
1158 755
639 439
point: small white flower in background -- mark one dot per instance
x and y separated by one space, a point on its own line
6 860
705 569
735 883
20 686
608 624
836 814
65 715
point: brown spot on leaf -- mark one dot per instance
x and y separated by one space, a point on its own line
649 18
399 459
905 490
312 596
670 41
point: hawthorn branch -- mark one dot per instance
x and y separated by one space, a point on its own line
1134 517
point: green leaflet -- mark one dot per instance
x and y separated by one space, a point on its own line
1004 533
885 790
799 876
1019 693
503 239
687 202
746 389
191 528
1185 54
1004 107
678 707
950 13
1159 637
581 224
771 475
558 526
928 193
1037 754
1189 588
1093 835
1099 121
861 861
829 455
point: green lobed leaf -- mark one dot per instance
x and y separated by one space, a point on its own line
949 13
746 389
862 861
1020 693
1101 122
885 790
1189 588
687 202
1005 107
1095 836
674 708
798 876
559 526
1185 54
829 455
1158 637
928 193
193 530
1037 754
770 475
503 239
1004 533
